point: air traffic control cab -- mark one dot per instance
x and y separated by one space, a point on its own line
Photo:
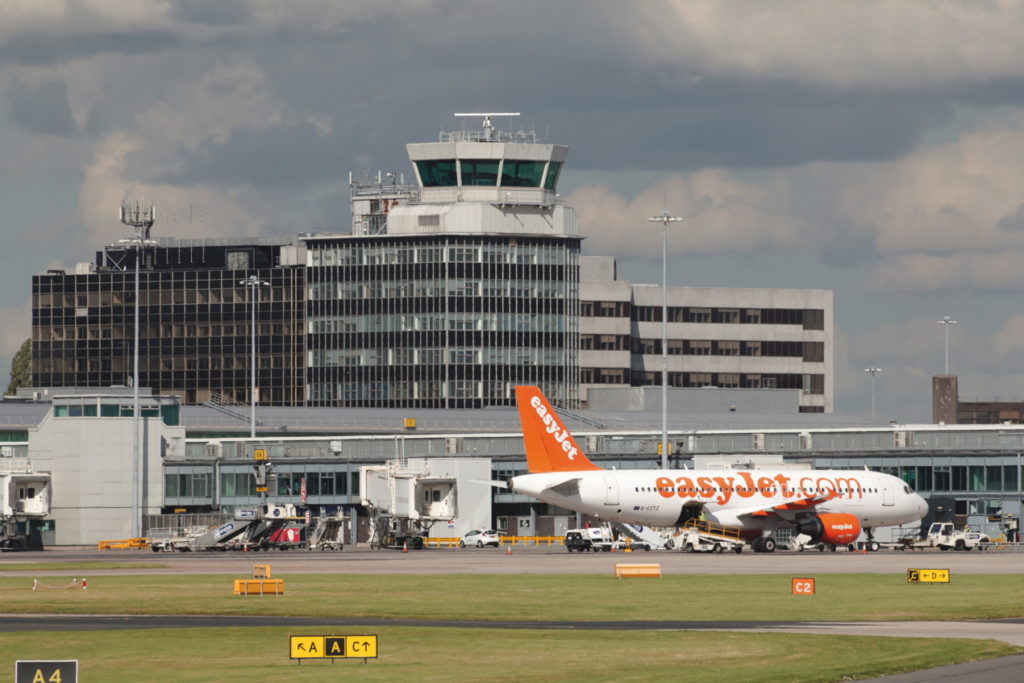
485 181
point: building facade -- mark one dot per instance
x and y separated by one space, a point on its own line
947 407
716 337
195 312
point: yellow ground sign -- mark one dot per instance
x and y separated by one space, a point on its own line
332 647
306 647
927 576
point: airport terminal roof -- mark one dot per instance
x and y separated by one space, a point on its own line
16 415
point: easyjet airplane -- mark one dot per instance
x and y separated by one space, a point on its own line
830 506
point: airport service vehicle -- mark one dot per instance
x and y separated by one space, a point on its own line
944 536
698 536
480 538
830 506
599 539
582 540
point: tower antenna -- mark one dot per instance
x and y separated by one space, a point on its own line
488 127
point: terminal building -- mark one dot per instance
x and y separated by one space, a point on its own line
197 461
445 293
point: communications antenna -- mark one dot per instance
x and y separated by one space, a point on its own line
138 216
488 128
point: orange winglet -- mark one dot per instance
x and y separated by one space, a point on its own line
549 445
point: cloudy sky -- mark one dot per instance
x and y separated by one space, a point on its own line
875 148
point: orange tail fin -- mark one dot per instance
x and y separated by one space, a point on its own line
549 445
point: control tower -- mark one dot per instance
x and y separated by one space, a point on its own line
451 291
470 181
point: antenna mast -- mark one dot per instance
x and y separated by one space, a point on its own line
488 128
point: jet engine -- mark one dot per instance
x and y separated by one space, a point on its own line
833 528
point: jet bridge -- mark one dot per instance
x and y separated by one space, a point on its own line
24 503
404 500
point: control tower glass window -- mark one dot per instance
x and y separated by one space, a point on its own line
479 172
553 168
437 172
517 173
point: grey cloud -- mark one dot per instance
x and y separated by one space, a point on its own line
42 109
285 156
218 13
34 49
1014 221
846 249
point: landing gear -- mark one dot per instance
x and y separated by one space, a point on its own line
763 544
872 544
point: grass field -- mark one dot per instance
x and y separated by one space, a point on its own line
78 567
430 654
840 597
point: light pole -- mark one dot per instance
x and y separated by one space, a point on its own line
873 372
664 218
946 322
141 218
253 283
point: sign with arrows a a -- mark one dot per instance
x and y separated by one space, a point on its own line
332 647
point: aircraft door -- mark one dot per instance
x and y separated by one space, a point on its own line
611 490
887 494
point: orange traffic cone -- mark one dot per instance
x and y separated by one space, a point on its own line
405 547
508 549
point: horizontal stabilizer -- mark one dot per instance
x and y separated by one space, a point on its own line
496 483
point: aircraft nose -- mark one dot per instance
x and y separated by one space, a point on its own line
921 505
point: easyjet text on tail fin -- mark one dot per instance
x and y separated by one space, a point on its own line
549 445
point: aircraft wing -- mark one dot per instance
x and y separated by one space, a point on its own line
788 510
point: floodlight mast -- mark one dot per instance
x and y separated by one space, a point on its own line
136 215
664 218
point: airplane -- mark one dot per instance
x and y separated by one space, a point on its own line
830 506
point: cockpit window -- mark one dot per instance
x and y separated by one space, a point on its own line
906 490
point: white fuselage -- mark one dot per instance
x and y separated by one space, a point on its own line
736 498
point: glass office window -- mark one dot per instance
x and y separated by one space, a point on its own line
552 178
437 172
479 172
517 173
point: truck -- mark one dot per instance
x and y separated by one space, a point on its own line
945 536
599 539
